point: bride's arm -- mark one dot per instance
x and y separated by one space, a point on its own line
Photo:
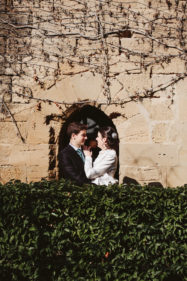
99 167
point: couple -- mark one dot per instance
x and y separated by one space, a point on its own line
77 164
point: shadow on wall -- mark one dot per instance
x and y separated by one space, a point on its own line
131 181
94 118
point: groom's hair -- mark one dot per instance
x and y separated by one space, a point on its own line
75 128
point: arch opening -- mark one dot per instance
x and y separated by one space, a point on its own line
94 118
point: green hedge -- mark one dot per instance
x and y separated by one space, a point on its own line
57 231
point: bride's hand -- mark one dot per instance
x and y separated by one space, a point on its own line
87 151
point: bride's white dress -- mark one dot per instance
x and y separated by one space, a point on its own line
103 169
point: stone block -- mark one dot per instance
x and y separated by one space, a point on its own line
23 81
36 173
162 50
121 126
163 5
137 130
160 109
5 151
4 32
115 89
8 173
182 108
176 65
181 4
159 132
147 155
181 87
127 111
38 156
38 131
13 69
183 156
21 88
131 110
174 132
2 70
18 159
9 133
143 175
4 80
162 81
7 97
136 45
34 159
183 132
23 20
21 112
28 69
36 45
178 132
2 59
120 65
2 45
42 65
133 84
181 90
77 87
176 176
113 45
2 6
83 44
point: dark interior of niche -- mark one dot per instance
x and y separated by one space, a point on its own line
125 34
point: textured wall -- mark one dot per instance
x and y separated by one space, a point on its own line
56 56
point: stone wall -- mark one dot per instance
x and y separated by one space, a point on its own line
129 59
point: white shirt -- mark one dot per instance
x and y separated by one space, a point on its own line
74 147
103 169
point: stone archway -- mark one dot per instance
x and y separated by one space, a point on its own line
89 115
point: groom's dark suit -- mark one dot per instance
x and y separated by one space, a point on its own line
72 166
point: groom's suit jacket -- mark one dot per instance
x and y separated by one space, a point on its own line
72 166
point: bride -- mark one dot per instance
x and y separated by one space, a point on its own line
102 170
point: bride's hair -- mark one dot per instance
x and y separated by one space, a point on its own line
111 136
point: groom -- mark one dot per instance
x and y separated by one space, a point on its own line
72 157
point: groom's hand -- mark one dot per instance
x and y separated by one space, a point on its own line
87 151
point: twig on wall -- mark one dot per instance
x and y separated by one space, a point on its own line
13 120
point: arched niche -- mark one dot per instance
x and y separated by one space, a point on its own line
92 117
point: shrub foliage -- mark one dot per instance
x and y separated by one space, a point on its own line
57 231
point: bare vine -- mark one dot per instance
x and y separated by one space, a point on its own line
39 37
5 106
